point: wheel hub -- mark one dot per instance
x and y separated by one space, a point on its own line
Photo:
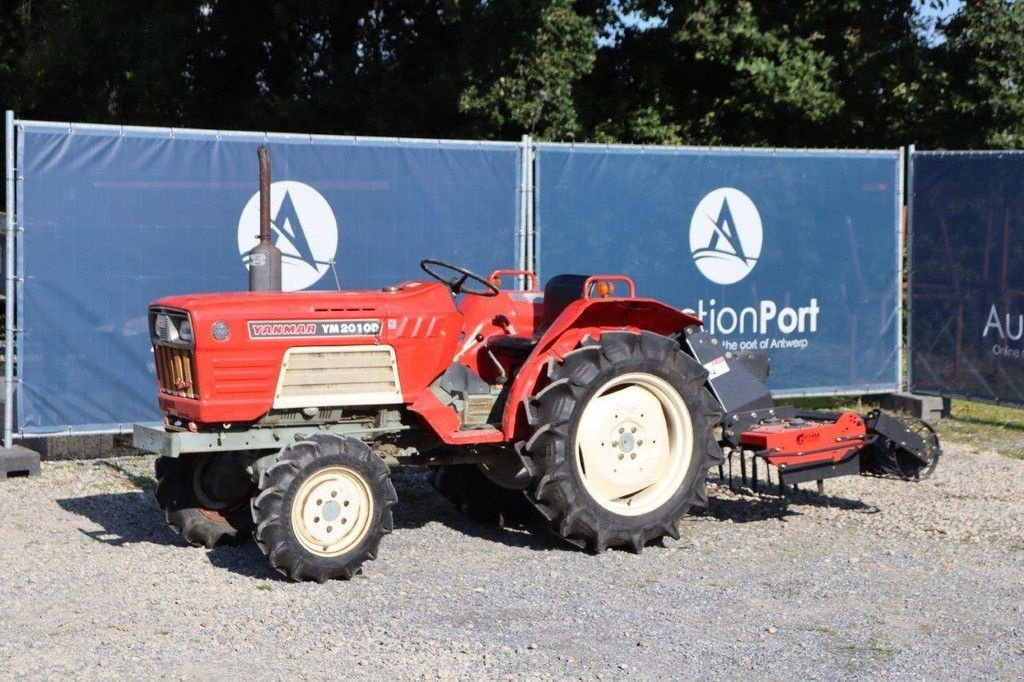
627 441
331 511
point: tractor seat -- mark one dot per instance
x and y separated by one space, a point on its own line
559 292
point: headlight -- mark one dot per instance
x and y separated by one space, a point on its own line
220 330
185 331
164 328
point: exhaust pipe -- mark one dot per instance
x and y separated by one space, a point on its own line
265 258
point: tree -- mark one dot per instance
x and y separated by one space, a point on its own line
980 77
738 72
528 83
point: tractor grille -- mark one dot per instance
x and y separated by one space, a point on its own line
348 375
176 371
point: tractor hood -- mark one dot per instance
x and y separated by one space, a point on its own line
234 345
301 304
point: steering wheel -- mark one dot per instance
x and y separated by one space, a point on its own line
458 284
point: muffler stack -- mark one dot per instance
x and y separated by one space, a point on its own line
265 257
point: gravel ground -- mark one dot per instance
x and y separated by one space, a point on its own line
877 578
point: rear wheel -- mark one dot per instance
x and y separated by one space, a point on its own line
323 508
205 498
623 440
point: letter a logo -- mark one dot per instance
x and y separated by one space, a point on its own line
726 235
304 228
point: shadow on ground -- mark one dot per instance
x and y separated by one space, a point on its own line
132 517
748 505
124 518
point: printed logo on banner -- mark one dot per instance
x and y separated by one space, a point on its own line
726 235
306 229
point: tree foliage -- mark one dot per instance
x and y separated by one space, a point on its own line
867 73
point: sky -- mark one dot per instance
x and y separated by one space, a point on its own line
930 13
933 15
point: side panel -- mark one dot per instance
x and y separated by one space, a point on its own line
322 376
788 252
967 289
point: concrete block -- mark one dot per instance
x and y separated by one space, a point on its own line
17 461
72 446
926 407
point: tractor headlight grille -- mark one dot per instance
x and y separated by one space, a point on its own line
173 341
176 372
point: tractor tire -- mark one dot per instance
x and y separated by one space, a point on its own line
323 508
205 498
486 501
623 437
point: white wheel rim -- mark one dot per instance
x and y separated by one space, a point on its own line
331 511
634 443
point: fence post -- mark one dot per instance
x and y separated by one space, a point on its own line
532 263
15 460
908 244
9 228
526 227
524 261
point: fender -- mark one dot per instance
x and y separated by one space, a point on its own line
582 318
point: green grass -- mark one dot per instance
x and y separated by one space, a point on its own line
980 425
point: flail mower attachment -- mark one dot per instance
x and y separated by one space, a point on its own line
805 445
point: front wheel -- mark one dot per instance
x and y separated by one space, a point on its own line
323 508
205 498
624 437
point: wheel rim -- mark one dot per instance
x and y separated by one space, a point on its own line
331 511
634 443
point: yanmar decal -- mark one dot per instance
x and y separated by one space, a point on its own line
290 329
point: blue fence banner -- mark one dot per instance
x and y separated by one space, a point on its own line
116 217
966 327
795 253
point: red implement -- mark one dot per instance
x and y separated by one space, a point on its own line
799 442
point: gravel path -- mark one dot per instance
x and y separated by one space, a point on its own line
876 578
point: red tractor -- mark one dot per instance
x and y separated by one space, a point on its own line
598 410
